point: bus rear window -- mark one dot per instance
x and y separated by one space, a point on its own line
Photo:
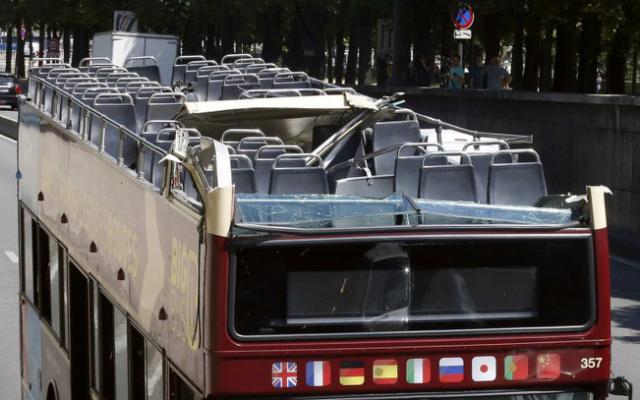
411 287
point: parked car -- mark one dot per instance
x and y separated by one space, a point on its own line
9 90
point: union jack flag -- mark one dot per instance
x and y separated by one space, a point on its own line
284 374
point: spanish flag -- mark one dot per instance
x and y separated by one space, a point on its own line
385 372
351 373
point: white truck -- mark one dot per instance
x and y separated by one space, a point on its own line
123 46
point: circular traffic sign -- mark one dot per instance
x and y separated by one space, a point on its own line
463 17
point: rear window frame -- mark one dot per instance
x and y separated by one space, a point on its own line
263 242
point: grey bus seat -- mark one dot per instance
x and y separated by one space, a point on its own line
233 85
179 67
229 59
119 108
372 186
266 76
141 101
481 160
121 84
77 90
132 87
86 63
408 166
92 69
215 81
516 183
291 80
149 68
102 73
448 182
164 105
152 171
264 158
392 133
242 173
232 137
202 79
256 68
241 64
113 77
48 91
298 180
249 145
191 71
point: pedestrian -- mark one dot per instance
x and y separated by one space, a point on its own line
476 73
421 72
456 74
496 76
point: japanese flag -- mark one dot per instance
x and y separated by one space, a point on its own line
483 369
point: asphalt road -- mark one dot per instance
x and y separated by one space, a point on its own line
625 293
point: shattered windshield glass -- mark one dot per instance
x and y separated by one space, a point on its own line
336 211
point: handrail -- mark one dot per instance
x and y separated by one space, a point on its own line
87 113
420 145
303 156
478 143
235 131
180 98
90 61
139 58
515 152
235 56
192 58
285 147
435 154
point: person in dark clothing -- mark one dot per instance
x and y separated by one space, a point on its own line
476 73
421 72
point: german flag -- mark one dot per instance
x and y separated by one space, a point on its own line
385 372
351 373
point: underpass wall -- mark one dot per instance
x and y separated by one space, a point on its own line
582 139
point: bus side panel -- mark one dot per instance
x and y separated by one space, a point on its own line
31 352
55 366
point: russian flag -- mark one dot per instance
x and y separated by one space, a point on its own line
318 373
451 370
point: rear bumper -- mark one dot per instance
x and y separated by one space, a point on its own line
547 394
9 101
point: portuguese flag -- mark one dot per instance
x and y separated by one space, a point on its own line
351 373
385 372
516 368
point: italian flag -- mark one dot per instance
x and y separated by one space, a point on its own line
418 370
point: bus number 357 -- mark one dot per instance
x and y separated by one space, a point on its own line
590 362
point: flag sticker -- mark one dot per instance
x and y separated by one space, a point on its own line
418 370
284 374
385 372
451 370
516 368
351 373
318 373
483 369
548 366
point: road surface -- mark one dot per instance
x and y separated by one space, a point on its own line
625 292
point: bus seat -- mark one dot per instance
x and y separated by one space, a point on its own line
448 182
264 158
516 183
408 166
392 133
298 180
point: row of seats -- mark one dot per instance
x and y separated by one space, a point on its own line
510 180
206 80
264 164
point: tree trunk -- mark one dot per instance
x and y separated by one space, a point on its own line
226 31
30 39
19 50
517 57
80 44
401 43
272 36
339 65
565 67
617 60
352 58
546 66
634 74
590 50
42 28
331 53
364 60
9 52
66 43
492 39
532 61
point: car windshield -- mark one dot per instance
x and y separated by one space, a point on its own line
312 212
6 81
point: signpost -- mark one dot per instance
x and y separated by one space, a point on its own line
462 20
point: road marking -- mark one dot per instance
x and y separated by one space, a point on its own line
8 139
625 261
11 256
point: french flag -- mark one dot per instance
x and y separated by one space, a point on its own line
451 369
318 373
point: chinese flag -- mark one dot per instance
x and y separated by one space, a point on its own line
548 366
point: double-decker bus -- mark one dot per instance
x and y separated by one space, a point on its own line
251 232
